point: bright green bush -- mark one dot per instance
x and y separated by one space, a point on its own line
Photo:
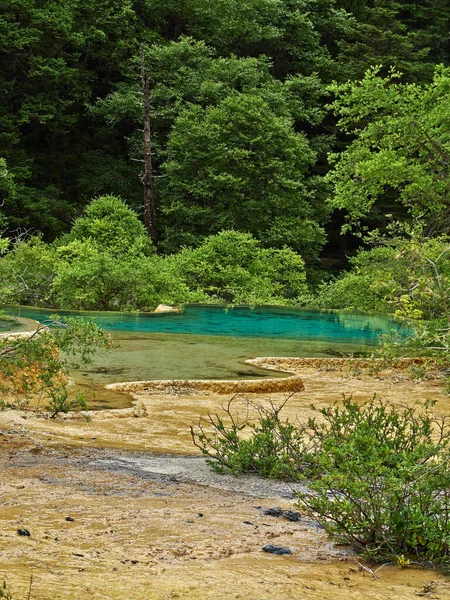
232 267
88 279
109 224
374 279
381 278
383 480
27 272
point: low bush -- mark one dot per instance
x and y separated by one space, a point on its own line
266 444
32 368
378 475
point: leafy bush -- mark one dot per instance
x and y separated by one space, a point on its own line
375 278
27 272
268 446
381 278
31 367
101 265
111 226
380 476
384 481
232 267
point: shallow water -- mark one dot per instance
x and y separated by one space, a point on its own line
210 342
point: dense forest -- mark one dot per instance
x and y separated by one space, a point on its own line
270 141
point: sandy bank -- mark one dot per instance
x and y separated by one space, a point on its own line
149 526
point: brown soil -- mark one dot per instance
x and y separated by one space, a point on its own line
137 532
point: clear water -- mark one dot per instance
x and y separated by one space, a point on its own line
261 322
211 342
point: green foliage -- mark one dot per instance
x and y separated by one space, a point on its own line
54 58
232 267
270 447
294 34
109 225
383 484
31 366
410 37
105 263
246 169
374 281
7 188
398 161
70 109
27 273
401 278
89 279
379 474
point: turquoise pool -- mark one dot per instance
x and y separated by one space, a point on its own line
336 328
212 342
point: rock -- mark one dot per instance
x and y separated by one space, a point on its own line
291 515
164 308
140 410
276 550
71 519
274 512
23 532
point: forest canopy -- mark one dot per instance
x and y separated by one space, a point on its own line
297 132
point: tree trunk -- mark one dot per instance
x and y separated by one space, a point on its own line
148 181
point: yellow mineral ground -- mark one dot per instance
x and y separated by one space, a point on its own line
118 507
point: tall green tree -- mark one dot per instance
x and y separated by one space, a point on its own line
55 57
411 37
239 165
191 84
294 34
398 164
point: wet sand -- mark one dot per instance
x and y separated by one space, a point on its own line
150 521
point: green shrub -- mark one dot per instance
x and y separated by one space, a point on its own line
383 481
379 477
32 367
111 226
268 446
27 273
374 279
381 278
232 267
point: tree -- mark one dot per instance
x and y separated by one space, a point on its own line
397 166
54 58
411 37
239 165
294 34
187 74
27 272
7 188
